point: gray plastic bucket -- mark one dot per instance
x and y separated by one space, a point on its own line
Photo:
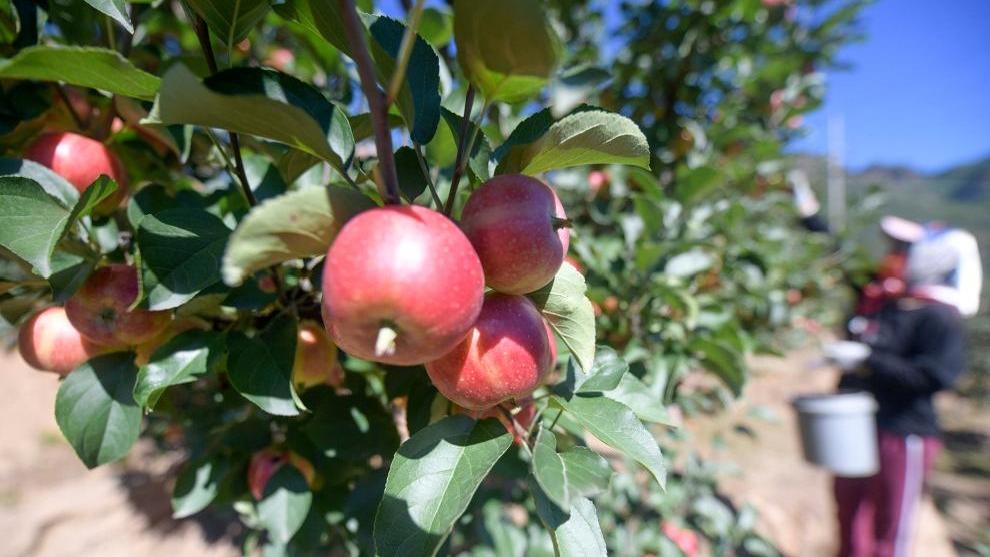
839 432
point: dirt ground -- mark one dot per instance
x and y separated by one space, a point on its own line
51 506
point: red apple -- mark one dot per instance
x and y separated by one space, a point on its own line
49 342
598 179
266 462
505 356
316 358
80 160
99 309
401 286
685 539
518 227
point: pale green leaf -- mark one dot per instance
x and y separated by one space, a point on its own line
298 224
99 68
569 313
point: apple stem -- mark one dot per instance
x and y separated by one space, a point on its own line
561 223
385 343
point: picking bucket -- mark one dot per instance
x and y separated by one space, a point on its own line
839 432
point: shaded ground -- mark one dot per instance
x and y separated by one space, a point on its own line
51 506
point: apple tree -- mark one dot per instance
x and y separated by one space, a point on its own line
324 252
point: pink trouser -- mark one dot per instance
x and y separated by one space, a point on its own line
876 514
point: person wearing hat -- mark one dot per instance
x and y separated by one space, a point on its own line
909 318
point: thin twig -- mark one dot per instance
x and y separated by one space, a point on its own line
376 100
459 160
203 34
426 174
60 89
559 413
405 51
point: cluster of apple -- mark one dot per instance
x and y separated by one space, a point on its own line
99 317
404 285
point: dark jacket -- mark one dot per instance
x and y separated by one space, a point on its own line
917 350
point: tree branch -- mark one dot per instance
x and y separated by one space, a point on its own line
376 100
203 34
459 160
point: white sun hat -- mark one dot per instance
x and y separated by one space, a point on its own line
902 229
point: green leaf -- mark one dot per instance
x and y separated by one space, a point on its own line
298 224
638 397
116 9
588 474
198 485
95 408
618 427
412 182
419 98
569 313
231 20
260 368
606 372
31 222
102 188
528 131
722 360
260 102
575 531
99 68
506 48
584 137
436 26
182 359
481 152
69 271
285 504
548 469
53 184
431 481
180 255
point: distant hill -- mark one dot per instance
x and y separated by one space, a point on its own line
959 195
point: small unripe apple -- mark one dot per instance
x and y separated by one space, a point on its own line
597 180
518 227
266 462
100 309
506 355
401 285
80 160
49 342
316 358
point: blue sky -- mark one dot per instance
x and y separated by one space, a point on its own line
918 93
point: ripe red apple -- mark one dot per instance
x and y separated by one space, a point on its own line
316 358
597 180
49 342
517 225
506 355
266 462
401 286
80 160
99 309
685 539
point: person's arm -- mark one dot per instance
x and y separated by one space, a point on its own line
936 364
